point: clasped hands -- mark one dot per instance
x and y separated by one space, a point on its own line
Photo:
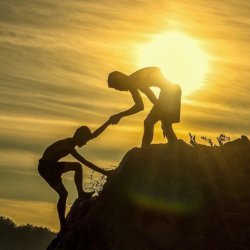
114 119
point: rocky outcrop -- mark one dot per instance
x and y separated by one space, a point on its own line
168 196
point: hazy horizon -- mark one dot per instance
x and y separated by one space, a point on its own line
54 62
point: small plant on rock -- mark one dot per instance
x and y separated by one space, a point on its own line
222 139
97 181
208 140
192 139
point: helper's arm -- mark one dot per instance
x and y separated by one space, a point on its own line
98 131
137 107
150 94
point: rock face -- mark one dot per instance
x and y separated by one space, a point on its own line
168 196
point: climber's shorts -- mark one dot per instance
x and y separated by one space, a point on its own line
51 171
168 108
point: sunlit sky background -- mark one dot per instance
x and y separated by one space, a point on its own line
55 57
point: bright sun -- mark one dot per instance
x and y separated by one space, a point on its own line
180 58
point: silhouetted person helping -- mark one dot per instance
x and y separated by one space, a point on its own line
166 108
51 168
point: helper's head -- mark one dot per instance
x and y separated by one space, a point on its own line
82 135
116 80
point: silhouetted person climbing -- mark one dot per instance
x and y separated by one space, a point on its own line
166 108
51 168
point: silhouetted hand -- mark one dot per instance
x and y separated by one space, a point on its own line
114 119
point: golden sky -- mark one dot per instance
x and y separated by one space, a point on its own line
55 57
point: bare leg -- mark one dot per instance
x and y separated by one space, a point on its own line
61 204
148 129
78 177
168 132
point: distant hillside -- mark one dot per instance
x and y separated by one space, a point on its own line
25 237
168 196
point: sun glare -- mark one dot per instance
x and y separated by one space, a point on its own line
180 58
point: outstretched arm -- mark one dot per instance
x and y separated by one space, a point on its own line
137 107
150 94
89 164
98 131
